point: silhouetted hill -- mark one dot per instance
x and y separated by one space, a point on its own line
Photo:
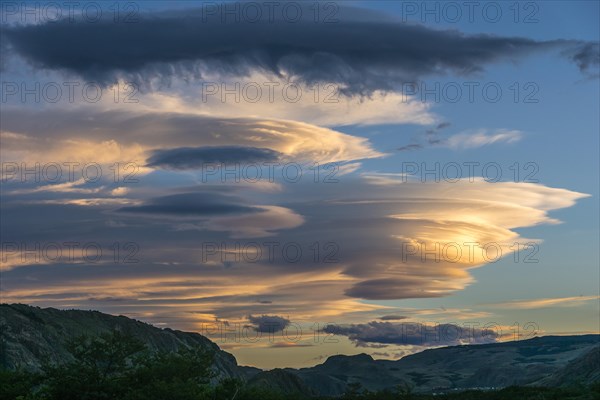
584 370
280 381
494 365
31 335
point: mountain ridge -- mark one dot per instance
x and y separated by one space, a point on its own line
29 335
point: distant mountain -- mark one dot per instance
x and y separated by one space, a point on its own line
282 381
584 370
31 335
527 362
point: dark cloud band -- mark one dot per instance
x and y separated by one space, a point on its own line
268 323
183 158
414 334
190 204
361 55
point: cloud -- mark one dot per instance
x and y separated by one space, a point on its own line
261 224
183 158
403 288
476 214
366 226
189 204
545 303
268 97
464 140
86 136
369 226
287 345
415 334
392 317
120 191
216 212
353 236
380 354
385 178
586 56
481 138
77 186
444 313
269 323
412 146
362 54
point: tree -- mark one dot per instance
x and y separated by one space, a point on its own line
118 366
17 384
180 375
353 390
98 367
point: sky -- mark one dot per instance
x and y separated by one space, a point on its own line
296 180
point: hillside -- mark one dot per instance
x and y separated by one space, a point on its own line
496 365
31 335
584 370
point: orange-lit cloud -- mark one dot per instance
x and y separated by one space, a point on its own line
573 301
